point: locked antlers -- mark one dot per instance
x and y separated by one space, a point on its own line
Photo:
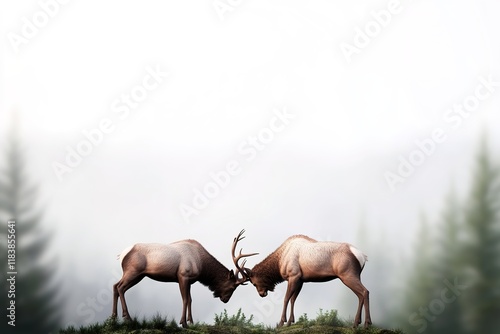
244 277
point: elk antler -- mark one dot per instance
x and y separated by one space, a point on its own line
244 276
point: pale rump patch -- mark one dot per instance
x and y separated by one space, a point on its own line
362 258
122 255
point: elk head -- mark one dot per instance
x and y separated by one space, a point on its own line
226 287
240 269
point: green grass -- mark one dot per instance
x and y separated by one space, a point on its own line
325 322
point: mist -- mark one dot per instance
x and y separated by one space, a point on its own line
183 120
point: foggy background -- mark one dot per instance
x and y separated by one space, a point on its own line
232 67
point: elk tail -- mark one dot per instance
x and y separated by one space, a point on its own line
362 258
122 255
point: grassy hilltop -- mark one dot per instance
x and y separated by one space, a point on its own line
325 322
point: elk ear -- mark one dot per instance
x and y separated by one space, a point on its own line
248 272
231 274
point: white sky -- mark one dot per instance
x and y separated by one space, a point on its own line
318 176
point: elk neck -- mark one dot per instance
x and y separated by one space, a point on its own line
269 269
212 272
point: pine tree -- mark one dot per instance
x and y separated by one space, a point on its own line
481 251
463 262
447 267
375 275
414 316
36 296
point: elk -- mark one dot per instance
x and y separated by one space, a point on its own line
301 259
184 262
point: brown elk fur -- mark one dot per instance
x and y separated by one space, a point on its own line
301 259
269 270
184 262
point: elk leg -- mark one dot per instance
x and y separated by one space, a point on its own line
368 318
114 311
354 283
290 290
189 312
298 287
127 281
285 304
185 288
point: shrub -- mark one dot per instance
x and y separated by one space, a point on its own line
239 319
304 321
328 318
